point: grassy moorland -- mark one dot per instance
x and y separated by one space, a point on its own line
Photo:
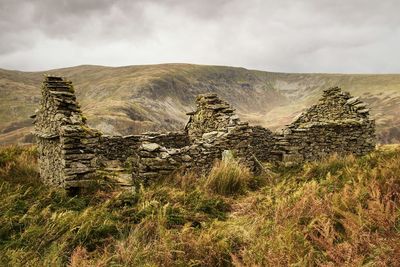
336 212
134 99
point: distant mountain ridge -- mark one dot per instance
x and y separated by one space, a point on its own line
135 99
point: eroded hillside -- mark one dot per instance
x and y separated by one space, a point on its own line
135 99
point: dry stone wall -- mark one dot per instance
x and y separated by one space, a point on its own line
212 129
339 124
117 150
212 114
169 140
264 144
70 153
334 106
65 144
156 161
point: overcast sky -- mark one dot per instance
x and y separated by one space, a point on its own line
347 36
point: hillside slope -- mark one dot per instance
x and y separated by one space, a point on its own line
135 99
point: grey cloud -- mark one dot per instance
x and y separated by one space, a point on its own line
303 35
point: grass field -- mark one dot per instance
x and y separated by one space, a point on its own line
342 211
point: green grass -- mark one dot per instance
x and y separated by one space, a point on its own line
342 211
18 164
228 177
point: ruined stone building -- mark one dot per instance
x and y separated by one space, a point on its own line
71 154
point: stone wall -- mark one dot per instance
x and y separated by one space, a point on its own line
156 161
316 141
116 148
121 148
339 124
65 144
212 114
334 106
212 129
70 153
264 144
169 140
78 144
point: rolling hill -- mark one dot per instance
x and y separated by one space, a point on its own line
135 99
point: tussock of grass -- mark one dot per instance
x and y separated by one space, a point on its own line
228 177
18 164
342 211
